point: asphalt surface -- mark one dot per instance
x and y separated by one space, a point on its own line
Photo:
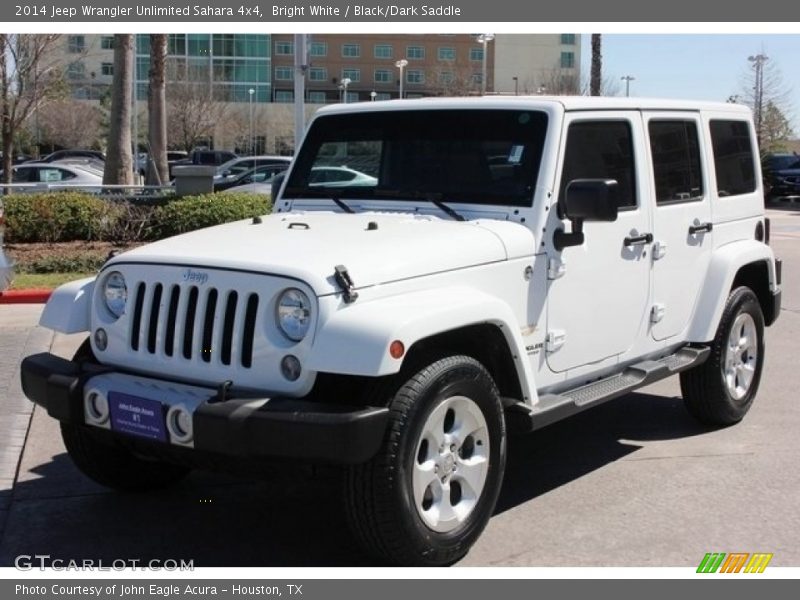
635 482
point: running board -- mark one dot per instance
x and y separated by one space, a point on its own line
554 407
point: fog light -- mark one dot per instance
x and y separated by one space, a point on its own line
290 367
101 339
97 408
179 423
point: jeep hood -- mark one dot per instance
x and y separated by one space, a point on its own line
375 248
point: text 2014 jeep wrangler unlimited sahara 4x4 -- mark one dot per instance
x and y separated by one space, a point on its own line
504 263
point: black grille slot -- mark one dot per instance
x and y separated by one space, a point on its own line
227 328
137 316
188 329
172 314
155 309
208 326
249 330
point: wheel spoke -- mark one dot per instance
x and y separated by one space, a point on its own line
472 474
423 477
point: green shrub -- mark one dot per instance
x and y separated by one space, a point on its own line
57 217
195 212
79 263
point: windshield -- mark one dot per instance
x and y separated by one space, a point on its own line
471 156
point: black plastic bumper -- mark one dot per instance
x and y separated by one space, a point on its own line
282 427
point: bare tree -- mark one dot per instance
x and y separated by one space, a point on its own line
451 79
596 81
119 160
192 112
157 169
763 87
30 76
558 82
69 123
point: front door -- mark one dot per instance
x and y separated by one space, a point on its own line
599 291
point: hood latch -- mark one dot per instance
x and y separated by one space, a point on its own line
346 284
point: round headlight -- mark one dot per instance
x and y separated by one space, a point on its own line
115 293
294 314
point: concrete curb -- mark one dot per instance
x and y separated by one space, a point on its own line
33 296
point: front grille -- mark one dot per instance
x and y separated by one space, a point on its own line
208 325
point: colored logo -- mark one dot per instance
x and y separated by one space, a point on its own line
735 562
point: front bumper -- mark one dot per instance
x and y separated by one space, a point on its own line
278 427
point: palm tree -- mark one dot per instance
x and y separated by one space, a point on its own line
597 65
119 160
157 169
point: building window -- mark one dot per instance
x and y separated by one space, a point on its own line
76 43
76 70
352 97
318 74
477 78
284 73
316 97
107 42
199 44
107 68
176 44
415 76
318 49
447 53
142 67
567 60
284 49
446 77
284 96
354 75
676 161
351 50
241 70
383 51
383 76
383 96
568 39
415 52
476 53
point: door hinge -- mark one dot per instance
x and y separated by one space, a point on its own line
659 250
555 339
556 268
657 312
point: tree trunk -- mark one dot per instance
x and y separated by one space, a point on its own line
157 171
119 161
597 65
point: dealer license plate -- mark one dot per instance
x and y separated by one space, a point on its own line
137 416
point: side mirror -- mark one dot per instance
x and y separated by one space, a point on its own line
586 200
277 180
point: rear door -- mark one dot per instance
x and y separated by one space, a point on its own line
682 229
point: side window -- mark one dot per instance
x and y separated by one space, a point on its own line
733 157
676 161
601 150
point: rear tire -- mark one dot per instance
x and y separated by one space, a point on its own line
110 463
429 492
721 391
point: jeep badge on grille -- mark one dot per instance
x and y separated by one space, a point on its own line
198 277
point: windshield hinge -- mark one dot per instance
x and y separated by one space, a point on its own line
346 284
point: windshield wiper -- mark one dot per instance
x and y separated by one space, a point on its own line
330 195
432 197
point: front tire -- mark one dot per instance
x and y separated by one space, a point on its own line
429 492
721 391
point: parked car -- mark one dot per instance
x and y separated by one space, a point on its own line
340 177
404 329
57 175
259 175
6 268
204 157
76 153
781 175
172 157
242 164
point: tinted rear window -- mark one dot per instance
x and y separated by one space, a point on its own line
734 161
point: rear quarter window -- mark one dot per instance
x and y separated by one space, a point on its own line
734 158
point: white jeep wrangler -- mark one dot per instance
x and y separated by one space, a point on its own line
496 264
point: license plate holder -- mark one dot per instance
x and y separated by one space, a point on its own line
137 416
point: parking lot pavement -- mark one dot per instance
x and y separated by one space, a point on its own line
635 482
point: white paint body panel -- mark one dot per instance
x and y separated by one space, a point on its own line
69 307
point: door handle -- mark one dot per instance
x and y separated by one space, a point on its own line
702 228
639 240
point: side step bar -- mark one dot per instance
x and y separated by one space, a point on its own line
554 407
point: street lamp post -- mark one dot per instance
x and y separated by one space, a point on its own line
516 85
343 88
372 95
627 79
400 64
251 91
484 39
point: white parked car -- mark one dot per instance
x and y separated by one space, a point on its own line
512 261
40 177
241 164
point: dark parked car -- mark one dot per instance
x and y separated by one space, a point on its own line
781 175
77 153
260 174
204 157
